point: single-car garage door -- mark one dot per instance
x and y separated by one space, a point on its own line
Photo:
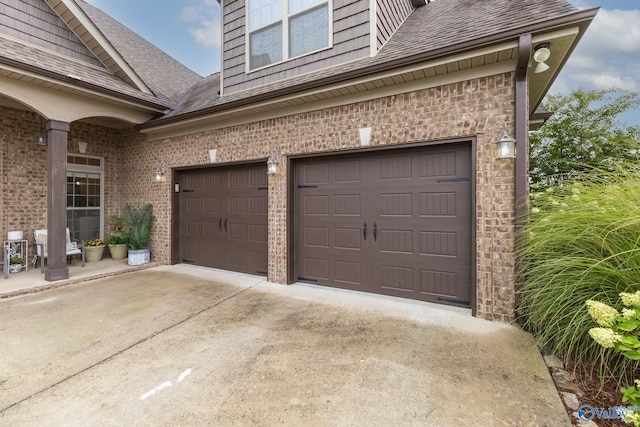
395 222
223 218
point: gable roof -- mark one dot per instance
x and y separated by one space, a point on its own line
166 77
124 65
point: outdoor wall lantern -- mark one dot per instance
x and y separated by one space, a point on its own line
272 165
541 54
41 139
506 146
159 175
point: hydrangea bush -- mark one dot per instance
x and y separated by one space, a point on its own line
620 331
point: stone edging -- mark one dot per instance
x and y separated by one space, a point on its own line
569 391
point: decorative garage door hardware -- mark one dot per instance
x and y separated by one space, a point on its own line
375 231
223 218
395 223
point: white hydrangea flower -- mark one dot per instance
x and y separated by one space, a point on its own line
628 313
603 314
605 337
629 299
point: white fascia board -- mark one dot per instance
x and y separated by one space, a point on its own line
88 24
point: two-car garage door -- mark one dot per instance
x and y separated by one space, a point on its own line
395 223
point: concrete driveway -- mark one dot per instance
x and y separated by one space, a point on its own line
181 345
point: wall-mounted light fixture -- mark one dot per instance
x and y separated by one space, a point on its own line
159 174
272 165
506 146
541 54
82 147
365 136
41 139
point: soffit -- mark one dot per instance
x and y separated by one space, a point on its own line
487 61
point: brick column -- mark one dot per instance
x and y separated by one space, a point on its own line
57 133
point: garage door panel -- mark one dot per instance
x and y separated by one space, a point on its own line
316 237
396 241
347 238
346 205
419 203
348 272
224 218
439 283
396 278
439 164
396 204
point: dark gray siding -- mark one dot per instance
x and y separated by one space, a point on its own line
32 21
350 41
390 14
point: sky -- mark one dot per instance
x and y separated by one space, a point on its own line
608 56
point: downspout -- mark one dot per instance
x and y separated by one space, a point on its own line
522 147
521 125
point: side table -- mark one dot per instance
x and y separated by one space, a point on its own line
16 248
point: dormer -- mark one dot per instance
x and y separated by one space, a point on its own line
266 41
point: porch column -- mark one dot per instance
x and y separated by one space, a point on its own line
57 133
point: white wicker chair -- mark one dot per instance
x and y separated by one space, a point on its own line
40 238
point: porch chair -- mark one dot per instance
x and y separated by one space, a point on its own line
73 248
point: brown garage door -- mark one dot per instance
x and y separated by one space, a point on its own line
224 218
395 223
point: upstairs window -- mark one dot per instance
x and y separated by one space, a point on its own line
284 29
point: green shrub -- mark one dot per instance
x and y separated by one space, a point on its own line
582 242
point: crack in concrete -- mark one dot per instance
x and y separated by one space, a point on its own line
119 352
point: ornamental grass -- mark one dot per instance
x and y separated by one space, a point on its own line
581 242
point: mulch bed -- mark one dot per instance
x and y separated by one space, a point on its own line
605 395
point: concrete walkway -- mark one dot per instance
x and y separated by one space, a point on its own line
183 345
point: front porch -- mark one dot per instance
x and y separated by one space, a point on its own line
31 281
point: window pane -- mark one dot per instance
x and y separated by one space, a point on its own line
84 224
309 31
296 5
265 46
263 12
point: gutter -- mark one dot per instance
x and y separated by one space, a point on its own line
582 16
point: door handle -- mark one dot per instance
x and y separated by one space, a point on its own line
375 231
225 224
364 231
220 224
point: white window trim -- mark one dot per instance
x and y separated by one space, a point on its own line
285 35
72 167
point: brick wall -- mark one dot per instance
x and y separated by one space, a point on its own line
23 168
478 108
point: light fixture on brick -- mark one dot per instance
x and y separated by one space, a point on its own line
365 136
272 165
41 139
159 175
506 146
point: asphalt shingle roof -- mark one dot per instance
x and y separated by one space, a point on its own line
166 77
431 28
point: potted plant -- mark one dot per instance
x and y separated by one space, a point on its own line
93 249
117 244
15 264
136 224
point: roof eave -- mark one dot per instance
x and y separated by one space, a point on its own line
581 18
